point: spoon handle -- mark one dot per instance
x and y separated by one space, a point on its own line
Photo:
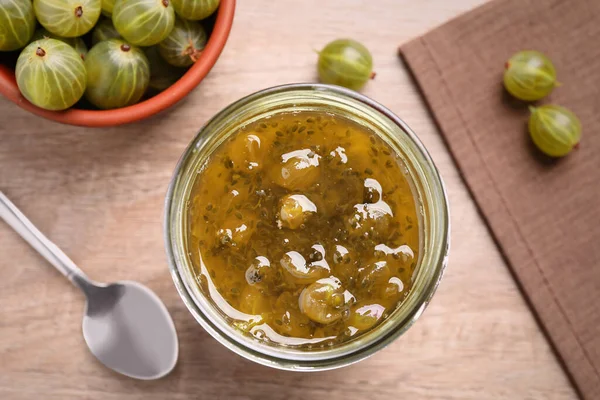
19 222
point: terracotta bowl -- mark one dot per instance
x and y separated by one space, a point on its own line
144 109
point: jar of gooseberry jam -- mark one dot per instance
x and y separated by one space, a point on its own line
430 203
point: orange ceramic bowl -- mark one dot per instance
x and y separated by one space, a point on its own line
146 108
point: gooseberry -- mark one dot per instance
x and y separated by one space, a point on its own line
322 300
51 74
17 24
253 302
107 7
393 289
555 130
195 9
369 219
344 264
295 209
249 152
364 315
261 273
118 74
529 75
373 275
298 170
291 322
184 44
67 18
306 271
236 230
143 22
345 62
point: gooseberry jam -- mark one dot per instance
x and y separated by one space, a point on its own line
303 229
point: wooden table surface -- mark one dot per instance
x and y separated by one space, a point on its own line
98 194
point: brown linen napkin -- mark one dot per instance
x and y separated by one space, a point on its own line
544 214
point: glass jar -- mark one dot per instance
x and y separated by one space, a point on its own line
428 190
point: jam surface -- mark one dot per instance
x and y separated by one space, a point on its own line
303 229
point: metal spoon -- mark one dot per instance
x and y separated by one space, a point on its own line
126 326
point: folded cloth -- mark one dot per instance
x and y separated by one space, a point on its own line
543 213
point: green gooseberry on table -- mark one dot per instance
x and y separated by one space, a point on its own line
529 75
555 130
345 62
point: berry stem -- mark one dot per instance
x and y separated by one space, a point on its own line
40 52
195 55
78 11
192 52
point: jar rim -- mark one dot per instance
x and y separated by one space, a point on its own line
307 360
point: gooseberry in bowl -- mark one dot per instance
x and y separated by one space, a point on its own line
17 24
67 18
51 74
117 74
107 7
143 22
178 83
195 9
184 44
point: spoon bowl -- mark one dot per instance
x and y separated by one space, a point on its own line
129 330
126 325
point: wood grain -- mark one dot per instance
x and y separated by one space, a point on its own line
98 194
